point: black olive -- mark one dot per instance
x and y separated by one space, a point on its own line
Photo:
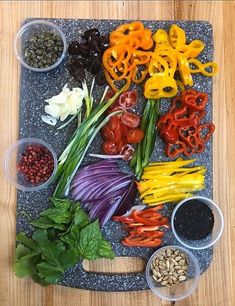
100 79
84 49
91 32
94 43
73 48
95 66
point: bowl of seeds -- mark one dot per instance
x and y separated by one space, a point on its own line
197 222
172 273
40 45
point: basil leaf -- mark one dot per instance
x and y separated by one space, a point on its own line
45 223
90 239
105 250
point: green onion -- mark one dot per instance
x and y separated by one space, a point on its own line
145 148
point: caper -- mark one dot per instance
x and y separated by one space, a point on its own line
43 49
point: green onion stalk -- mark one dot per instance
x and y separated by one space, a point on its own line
145 148
72 157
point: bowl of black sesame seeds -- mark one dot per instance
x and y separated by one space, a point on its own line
197 222
40 45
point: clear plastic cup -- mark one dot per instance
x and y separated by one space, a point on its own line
181 290
37 27
217 228
13 156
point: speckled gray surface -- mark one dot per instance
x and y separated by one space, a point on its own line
36 87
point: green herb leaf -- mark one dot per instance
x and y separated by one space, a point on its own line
45 223
90 239
51 251
21 237
49 273
25 261
105 250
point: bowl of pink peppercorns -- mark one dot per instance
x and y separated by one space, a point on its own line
30 164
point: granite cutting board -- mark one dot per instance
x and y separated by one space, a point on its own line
36 87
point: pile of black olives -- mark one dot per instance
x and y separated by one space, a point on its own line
87 55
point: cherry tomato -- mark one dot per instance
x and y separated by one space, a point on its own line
117 134
109 147
107 133
134 135
127 151
131 120
128 99
121 144
114 123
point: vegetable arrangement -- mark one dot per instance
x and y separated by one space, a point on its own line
64 235
68 231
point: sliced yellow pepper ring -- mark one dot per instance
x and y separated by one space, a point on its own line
202 68
138 76
161 37
180 85
158 65
184 70
192 50
159 86
170 58
177 36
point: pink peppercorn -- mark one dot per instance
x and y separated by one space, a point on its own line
36 164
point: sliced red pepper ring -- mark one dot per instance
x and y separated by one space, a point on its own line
173 150
205 131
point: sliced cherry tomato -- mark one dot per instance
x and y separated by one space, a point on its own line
115 107
134 135
109 147
107 133
131 120
127 151
128 99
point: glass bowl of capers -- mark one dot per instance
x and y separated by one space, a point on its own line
172 273
40 45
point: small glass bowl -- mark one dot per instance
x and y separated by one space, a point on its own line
31 28
13 156
181 290
217 228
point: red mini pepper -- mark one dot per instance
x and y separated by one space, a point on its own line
180 128
144 227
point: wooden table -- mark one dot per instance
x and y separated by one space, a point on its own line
217 284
